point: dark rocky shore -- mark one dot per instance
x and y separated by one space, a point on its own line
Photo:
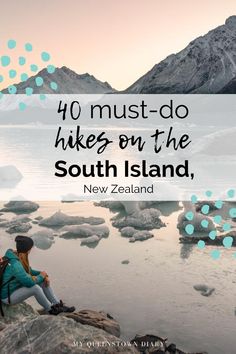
25 330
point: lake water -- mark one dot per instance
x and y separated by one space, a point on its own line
154 292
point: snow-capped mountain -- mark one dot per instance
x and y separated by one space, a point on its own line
68 82
206 65
230 87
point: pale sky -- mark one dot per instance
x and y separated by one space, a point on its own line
114 40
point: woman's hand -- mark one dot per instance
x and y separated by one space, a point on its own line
44 274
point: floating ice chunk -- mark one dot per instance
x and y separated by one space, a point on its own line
19 224
141 236
211 205
22 218
204 289
127 231
146 219
83 231
90 240
129 206
20 207
19 227
125 261
60 219
9 176
70 198
200 222
166 207
16 226
110 204
146 204
38 218
43 239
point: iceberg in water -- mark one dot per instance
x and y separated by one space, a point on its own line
60 219
9 176
146 219
20 207
84 231
43 239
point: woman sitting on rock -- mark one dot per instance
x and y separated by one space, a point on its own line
20 281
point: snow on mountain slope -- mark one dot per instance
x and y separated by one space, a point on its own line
68 82
206 65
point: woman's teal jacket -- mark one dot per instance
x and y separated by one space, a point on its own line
21 277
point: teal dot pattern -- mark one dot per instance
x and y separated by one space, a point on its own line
34 67
45 56
22 60
53 85
221 225
11 44
5 60
215 254
39 81
28 47
189 228
12 73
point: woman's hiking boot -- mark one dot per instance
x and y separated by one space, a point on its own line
55 310
65 308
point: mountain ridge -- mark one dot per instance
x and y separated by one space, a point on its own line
205 65
68 82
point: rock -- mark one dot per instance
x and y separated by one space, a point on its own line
212 206
20 207
60 219
83 231
171 348
58 335
43 239
218 241
204 289
38 218
146 219
15 313
96 319
127 231
152 344
141 236
196 221
125 261
90 240
149 343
